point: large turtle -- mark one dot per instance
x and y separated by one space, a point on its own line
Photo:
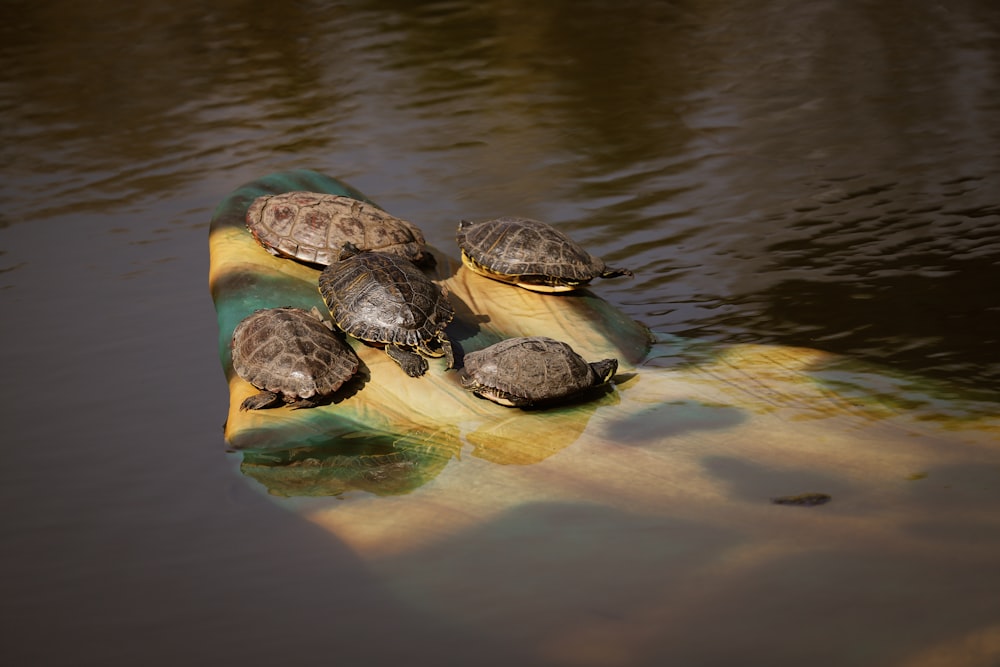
291 354
313 227
529 254
530 370
384 299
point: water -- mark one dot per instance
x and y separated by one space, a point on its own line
820 174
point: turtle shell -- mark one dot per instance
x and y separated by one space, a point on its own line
313 227
529 370
289 353
382 298
528 253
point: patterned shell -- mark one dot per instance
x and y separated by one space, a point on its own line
510 249
529 370
313 227
381 298
289 351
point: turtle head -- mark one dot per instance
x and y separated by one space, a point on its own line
610 272
348 250
604 370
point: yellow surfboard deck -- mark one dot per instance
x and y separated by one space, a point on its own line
600 532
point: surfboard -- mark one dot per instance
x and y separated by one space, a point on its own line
743 487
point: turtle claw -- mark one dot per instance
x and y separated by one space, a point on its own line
264 399
412 363
443 349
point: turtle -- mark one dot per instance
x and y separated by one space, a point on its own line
290 354
530 370
313 227
530 254
386 300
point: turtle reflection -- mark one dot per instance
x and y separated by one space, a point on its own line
373 464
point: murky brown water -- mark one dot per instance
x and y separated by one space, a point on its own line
823 174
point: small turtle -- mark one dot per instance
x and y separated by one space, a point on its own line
385 299
291 354
529 254
530 370
313 227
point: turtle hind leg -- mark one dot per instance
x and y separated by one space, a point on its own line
264 399
412 363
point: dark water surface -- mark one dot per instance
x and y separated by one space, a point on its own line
823 174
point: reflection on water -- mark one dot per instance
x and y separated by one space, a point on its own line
821 174
837 192
377 465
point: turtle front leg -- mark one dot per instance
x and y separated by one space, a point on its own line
412 363
449 353
264 399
